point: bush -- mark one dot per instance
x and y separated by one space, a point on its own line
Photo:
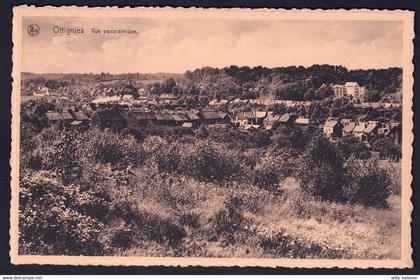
50 221
387 149
59 153
107 147
165 155
208 162
321 170
291 138
367 183
352 146
228 221
122 235
269 172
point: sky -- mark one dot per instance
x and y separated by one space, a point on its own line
175 45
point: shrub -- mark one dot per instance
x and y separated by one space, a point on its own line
394 173
164 154
50 221
147 224
269 172
159 229
59 152
387 148
352 146
321 170
207 162
122 235
367 183
190 219
108 147
228 221
28 146
168 158
291 138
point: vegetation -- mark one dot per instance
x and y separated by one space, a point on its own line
207 192
198 86
294 83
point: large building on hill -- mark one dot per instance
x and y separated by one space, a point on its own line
350 89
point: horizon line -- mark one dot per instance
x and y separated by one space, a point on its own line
180 73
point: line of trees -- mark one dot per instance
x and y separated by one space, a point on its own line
294 83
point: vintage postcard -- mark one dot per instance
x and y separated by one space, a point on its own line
212 137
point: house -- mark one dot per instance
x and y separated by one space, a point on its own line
66 117
167 98
332 128
259 117
396 132
251 126
76 124
213 102
164 119
108 118
339 91
358 130
354 91
179 118
370 131
226 117
193 117
41 92
345 121
270 120
80 116
350 89
287 118
241 119
301 121
53 117
248 118
187 125
139 118
35 109
348 129
210 117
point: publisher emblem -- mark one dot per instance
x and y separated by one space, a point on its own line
33 30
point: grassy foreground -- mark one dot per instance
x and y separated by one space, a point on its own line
245 221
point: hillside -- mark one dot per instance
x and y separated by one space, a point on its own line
295 83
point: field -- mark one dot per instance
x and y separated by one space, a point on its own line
203 193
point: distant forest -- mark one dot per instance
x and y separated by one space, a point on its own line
293 83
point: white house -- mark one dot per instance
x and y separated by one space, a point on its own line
354 90
350 89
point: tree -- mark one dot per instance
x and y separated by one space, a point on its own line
168 85
387 148
352 146
155 88
373 95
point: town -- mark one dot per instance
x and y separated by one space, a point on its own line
129 107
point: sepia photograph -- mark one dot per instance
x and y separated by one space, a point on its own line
163 136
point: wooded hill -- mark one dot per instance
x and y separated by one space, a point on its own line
295 83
